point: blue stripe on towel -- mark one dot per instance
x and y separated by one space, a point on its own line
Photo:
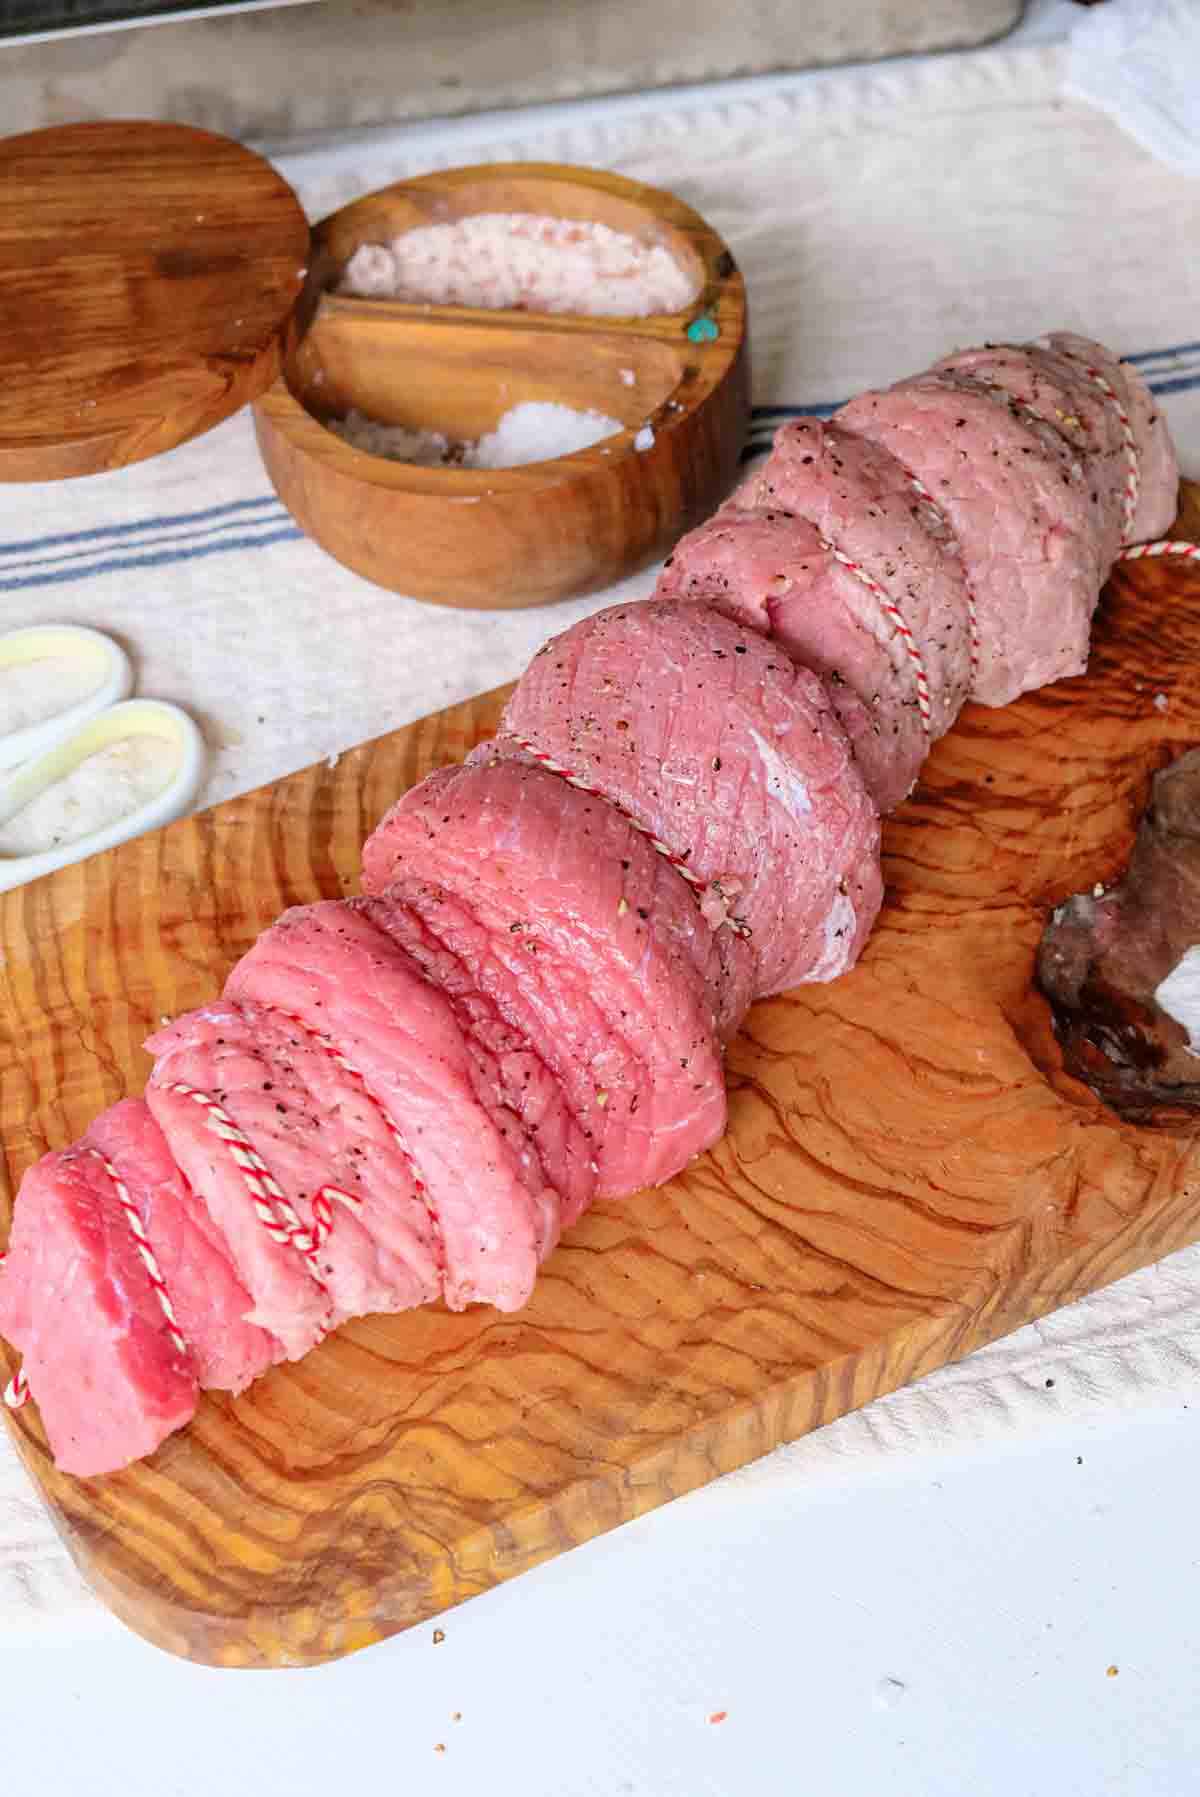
159 558
1180 384
150 538
165 521
1158 355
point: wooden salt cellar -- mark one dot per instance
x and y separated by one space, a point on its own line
513 536
152 281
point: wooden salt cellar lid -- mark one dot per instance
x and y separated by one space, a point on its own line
147 271
678 383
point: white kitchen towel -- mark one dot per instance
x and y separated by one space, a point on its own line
881 217
1139 60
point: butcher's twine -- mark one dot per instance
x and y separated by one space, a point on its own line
271 1205
331 1048
17 1391
1164 546
137 1230
678 862
1133 474
1131 552
891 610
922 492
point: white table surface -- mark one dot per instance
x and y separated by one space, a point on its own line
924 1599
943 1627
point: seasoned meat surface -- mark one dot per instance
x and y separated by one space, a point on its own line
770 569
591 945
406 1097
1016 496
339 968
731 757
193 1257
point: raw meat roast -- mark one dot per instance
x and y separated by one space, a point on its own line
407 1096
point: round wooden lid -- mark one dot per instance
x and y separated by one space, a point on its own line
146 273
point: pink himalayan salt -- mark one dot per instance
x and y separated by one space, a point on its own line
518 260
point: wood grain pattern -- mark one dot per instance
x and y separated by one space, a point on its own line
501 538
908 1174
147 272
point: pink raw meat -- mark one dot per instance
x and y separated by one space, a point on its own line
76 1298
1053 389
288 1300
315 1128
694 725
588 942
769 568
514 1085
1051 378
335 965
1158 469
210 1301
1017 499
859 498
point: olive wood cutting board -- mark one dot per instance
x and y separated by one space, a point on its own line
908 1174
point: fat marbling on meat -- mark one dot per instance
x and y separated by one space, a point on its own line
731 757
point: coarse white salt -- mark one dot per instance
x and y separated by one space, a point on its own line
628 377
538 430
105 787
31 691
1161 701
644 438
522 261
535 431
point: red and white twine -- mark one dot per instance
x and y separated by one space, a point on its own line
1164 546
137 1230
1133 472
16 1392
1130 551
331 1048
677 861
892 611
922 492
272 1207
